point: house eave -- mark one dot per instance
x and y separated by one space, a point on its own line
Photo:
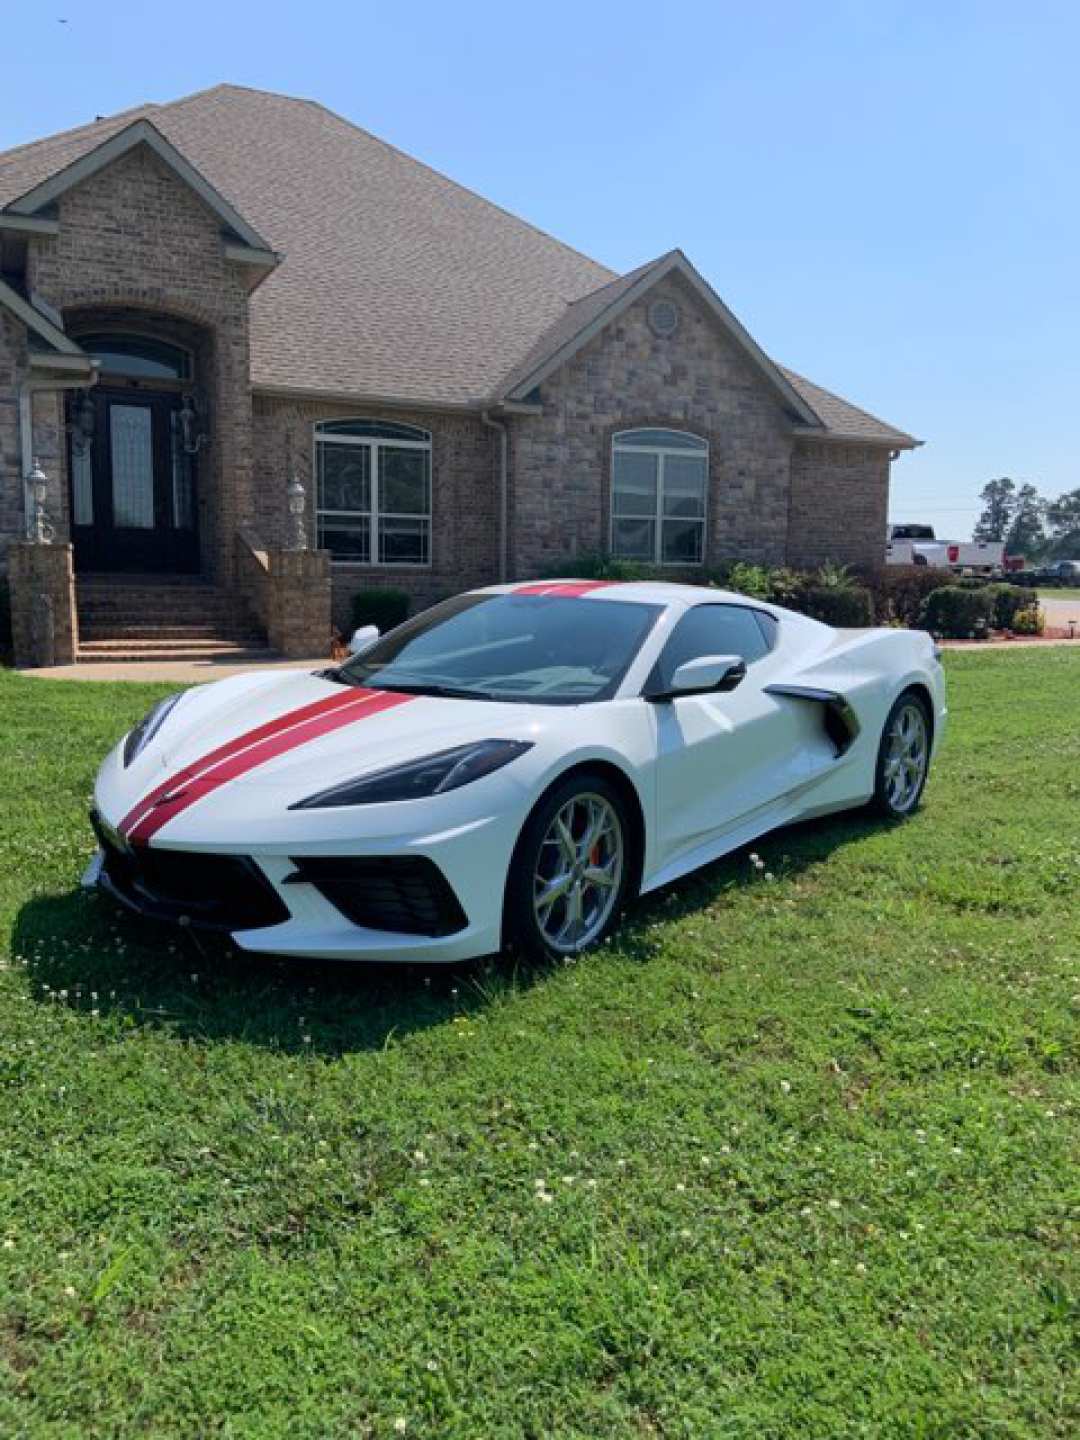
843 437
357 397
28 224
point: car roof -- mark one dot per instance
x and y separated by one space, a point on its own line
652 592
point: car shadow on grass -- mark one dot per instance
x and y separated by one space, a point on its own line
85 952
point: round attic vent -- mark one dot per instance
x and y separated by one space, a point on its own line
664 317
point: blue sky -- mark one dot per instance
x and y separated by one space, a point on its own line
885 193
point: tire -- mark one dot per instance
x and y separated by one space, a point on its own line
903 760
546 918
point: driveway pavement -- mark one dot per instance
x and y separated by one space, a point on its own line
1060 614
177 672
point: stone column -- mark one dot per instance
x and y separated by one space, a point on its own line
298 603
44 624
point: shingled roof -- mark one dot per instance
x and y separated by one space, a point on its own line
396 283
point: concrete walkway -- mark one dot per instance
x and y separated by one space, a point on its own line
175 672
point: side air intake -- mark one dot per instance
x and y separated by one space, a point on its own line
839 720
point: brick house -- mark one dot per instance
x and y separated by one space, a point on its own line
204 301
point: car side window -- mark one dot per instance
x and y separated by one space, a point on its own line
711 630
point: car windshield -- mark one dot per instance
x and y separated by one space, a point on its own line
548 649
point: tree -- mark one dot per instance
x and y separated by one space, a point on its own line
1063 520
1026 535
999 501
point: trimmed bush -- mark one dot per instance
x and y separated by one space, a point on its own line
384 608
900 592
1030 619
958 614
848 606
1008 599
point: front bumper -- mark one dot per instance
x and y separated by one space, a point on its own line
432 898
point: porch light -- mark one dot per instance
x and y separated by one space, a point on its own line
297 506
41 532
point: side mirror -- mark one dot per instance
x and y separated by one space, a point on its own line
363 639
707 673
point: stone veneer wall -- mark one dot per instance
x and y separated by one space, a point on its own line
697 380
839 504
12 501
135 237
47 446
464 502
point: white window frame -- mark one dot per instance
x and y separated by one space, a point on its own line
661 451
373 442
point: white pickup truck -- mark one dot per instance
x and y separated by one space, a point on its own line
917 545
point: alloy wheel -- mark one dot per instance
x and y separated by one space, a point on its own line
578 872
907 754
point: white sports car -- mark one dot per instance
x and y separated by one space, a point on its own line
512 765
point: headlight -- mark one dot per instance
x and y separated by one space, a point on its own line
420 779
148 727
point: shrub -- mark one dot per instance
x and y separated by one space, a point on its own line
847 606
752 580
900 592
1008 599
831 576
958 614
1030 619
597 565
384 608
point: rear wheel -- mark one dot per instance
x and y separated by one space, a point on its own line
903 757
571 870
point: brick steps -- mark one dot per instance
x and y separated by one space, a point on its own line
111 652
125 618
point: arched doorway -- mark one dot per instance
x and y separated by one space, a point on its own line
133 447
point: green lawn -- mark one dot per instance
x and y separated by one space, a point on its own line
1064 592
794 1158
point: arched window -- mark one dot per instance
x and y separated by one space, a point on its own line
373 492
659 480
137 356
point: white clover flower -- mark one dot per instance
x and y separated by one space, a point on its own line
785 1086
834 1204
400 1425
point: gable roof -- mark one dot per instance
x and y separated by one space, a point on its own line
139 132
396 283
588 316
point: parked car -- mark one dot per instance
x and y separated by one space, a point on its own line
1049 577
513 764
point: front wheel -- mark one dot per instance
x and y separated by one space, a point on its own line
571 870
903 757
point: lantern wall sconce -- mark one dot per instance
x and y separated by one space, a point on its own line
297 496
192 438
82 423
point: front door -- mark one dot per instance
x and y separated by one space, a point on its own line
133 485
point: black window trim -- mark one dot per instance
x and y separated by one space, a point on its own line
769 641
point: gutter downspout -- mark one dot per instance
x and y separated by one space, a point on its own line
28 388
504 504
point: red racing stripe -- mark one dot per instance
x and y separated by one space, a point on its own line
568 588
239 756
